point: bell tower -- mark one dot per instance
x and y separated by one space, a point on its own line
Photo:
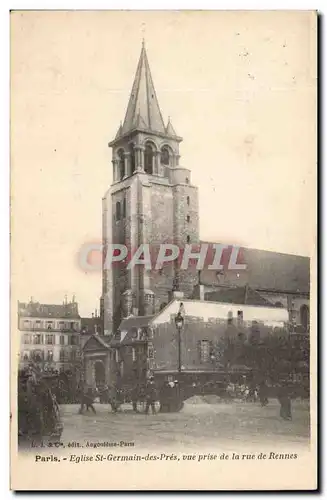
151 200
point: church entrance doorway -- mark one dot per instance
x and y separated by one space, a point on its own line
99 373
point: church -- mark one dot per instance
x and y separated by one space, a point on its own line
152 200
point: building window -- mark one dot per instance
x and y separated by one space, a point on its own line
50 356
49 339
26 338
37 339
26 323
164 156
133 354
49 325
121 164
73 355
188 200
188 218
205 351
73 340
62 355
150 353
148 159
26 355
304 315
62 340
37 356
38 324
187 181
132 152
118 211
134 333
188 239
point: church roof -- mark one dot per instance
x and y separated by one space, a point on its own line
143 108
135 322
266 270
95 342
238 295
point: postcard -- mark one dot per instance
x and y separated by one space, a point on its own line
163 249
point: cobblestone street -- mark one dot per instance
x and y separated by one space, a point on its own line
227 425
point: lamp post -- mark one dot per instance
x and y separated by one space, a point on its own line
179 322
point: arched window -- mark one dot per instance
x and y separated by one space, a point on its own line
304 314
118 211
121 164
148 159
164 156
131 149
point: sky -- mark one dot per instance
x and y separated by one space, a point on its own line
240 88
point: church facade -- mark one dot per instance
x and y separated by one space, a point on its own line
153 201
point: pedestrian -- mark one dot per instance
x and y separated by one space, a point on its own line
263 393
87 401
285 401
113 395
104 394
165 397
135 397
150 396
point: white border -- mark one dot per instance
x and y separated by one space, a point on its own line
5 7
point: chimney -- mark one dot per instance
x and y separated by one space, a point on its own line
92 315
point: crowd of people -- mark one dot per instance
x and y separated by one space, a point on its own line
143 397
39 397
112 395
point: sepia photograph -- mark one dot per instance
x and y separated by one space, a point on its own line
163 248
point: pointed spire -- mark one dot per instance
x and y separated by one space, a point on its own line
170 129
143 106
119 131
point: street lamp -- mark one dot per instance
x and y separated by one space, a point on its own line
179 322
